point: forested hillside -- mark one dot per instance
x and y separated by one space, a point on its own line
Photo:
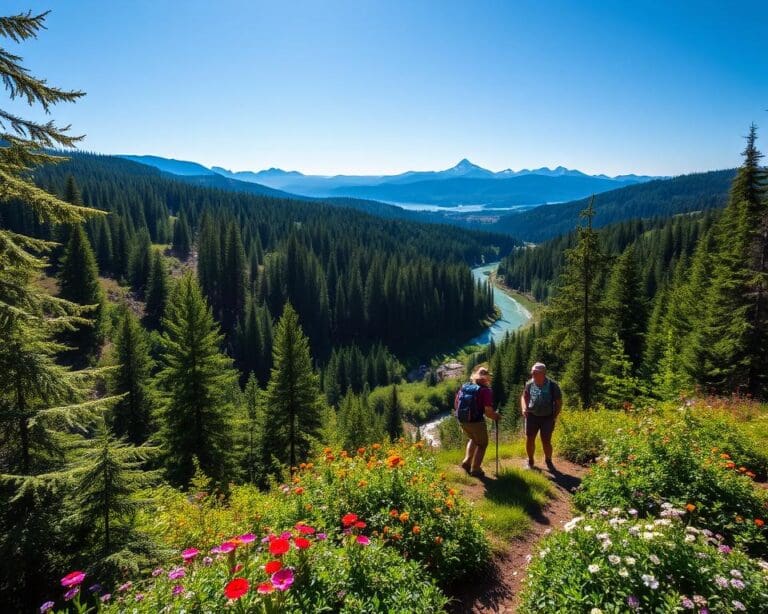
659 198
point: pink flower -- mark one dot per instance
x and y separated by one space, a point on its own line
125 587
265 588
157 571
246 538
106 597
189 554
176 573
48 605
283 579
177 590
73 578
227 547
363 540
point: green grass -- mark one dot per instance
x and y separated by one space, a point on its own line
511 500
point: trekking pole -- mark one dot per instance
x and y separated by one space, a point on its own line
497 448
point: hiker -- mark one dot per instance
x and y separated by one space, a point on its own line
540 403
474 401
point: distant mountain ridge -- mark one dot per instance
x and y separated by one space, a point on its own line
463 183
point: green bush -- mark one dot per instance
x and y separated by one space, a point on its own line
614 563
665 461
580 436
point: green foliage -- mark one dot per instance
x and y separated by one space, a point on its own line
195 415
617 563
157 292
418 400
581 436
132 414
292 397
79 283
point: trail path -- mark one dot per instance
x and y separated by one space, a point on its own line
498 590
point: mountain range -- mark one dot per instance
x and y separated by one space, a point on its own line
464 183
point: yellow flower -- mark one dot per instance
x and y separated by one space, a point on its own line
404 517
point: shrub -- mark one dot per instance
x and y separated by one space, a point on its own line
298 571
665 461
581 435
615 563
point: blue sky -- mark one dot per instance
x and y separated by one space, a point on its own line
381 87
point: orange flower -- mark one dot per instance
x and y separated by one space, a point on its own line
449 503
361 451
416 530
742 469
730 465
327 450
725 456
759 522
451 492
690 507
438 540
299 490
394 513
404 517
376 446
362 483
393 461
750 475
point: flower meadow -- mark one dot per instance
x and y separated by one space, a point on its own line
673 516
377 530
616 562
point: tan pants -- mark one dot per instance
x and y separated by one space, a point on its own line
478 442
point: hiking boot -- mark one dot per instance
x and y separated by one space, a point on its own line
477 473
466 467
550 465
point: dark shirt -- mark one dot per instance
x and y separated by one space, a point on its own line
540 401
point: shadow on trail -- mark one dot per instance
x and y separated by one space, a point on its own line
490 590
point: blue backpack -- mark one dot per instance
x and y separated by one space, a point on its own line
465 406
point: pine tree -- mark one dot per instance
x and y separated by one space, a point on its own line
736 335
79 283
574 312
254 427
182 237
140 263
109 474
196 416
233 284
394 422
157 292
292 395
131 417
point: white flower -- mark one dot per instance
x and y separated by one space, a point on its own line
737 605
623 572
633 512
650 581
595 611
629 560
544 553
648 535
763 564
736 573
690 538
613 559
571 524
593 568
588 528
654 559
602 536
634 531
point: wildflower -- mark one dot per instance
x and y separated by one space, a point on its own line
106 597
721 581
393 513
650 581
139 597
571 524
273 566
690 507
304 529
395 461
227 547
593 568
595 611
633 602
157 571
321 536
48 605
237 568
73 578
176 573
302 543
279 546
613 559
124 587
95 588
623 572
736 573
361 451
360 524
70 594
283 579
759 522
686 603
629 560
654 559
438 540
207 561
737 605
416 530
349 519
265 588
236 588
363 540
246 538
177 590
298 490
737 584
724 549
404 517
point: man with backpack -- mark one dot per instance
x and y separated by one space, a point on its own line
473 402
540 403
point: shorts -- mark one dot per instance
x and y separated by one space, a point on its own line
534 424
476 431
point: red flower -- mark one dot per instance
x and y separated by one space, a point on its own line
279 546
349 519
304 529
302 543
360 524
273 566
236 588
265 588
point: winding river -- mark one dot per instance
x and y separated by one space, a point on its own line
513 316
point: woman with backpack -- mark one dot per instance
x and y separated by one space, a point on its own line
473 403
